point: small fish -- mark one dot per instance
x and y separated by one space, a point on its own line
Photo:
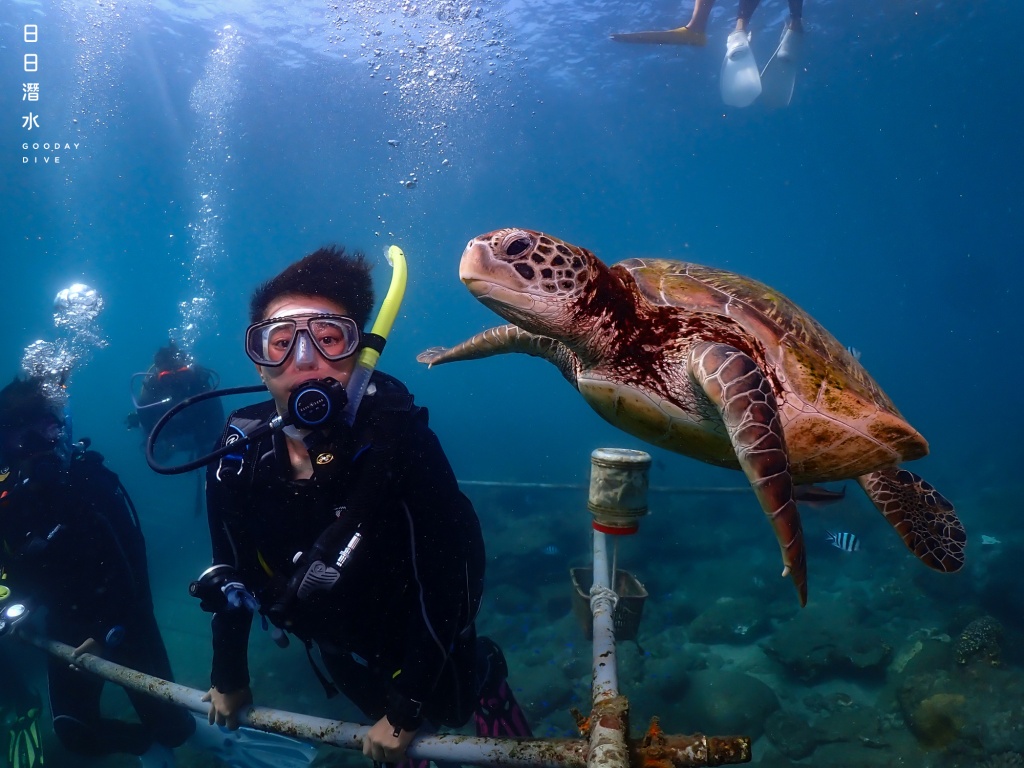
855 352
989 541
816 496
550 550
842 540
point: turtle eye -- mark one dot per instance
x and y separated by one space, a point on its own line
517 243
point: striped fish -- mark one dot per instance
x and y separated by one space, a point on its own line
842 540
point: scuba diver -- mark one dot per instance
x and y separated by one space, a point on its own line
20 708
70 542
346 528
172 378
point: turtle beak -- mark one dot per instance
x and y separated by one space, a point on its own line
479 271
477 264
493 282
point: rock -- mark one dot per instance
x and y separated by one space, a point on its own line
924 650
937 720
981 640
828 642
791 735
966 708
851 724
719 702
736 621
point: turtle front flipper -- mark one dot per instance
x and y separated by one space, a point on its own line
921 515
747 405
502 340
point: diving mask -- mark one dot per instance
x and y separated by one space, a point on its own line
269 342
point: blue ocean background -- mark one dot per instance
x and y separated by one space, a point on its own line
221 141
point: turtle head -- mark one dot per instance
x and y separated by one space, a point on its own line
531 279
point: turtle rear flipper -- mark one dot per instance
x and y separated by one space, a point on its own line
921 515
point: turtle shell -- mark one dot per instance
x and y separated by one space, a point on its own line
837 420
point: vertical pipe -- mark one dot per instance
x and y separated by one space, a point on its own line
602 606
617 500
609 718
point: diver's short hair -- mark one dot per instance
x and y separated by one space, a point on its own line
23 402
329 273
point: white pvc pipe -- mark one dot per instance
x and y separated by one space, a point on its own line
452 748
602 606
609 715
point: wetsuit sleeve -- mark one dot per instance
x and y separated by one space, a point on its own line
447 552
230 668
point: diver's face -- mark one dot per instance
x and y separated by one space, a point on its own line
304 362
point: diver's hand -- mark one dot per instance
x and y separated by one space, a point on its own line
90 645
382 745
224 707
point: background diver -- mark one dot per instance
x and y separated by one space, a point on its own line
173 377
71 543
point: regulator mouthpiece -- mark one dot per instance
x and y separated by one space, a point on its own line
317 403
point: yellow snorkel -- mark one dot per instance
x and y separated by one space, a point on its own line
374 341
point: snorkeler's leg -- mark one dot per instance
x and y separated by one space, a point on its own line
699 18
694 33
796 15
744 12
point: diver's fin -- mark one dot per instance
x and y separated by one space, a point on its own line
679 36
741 83
250 748
497 714
779 75
24 746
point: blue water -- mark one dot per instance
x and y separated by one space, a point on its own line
886 201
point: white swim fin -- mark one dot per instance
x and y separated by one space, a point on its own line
741 83
249 748
779 74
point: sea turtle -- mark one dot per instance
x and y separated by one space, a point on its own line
715 366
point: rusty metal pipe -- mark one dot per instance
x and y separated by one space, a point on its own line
454 748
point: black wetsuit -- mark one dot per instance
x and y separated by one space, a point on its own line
397 628
71 544
194 429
